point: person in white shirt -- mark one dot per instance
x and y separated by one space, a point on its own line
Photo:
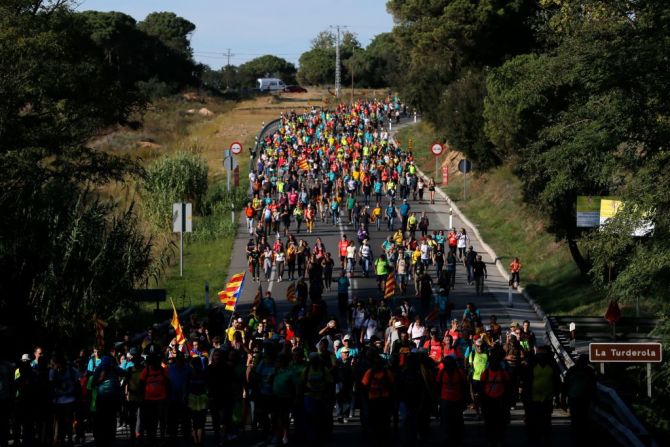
365 253
417 331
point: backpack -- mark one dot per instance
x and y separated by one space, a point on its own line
494 383
155 384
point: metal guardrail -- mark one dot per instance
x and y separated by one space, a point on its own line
609 411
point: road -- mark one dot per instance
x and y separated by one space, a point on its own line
494 300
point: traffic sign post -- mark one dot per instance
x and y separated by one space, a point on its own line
627 353
182 222
464 166
437 149
230 165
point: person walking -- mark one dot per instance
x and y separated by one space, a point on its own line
431 190
452 389
514 269
479 273
540 384
496 388
579 392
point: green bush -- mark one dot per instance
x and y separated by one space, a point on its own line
181 177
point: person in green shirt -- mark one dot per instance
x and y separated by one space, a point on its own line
381 270
477 362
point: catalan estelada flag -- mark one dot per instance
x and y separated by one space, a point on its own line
389 289
228 296
179 333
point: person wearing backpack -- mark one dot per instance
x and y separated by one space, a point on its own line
452 389
378 381
316 386
155 381
496 387
540 384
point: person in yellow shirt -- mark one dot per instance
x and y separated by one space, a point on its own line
398 237
236 327
377 215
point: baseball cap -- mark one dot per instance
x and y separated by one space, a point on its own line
345 350
397 324
25 358
346 337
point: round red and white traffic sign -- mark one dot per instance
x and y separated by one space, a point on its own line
437 149
236 148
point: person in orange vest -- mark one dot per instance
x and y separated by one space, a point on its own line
514 268
342 248
249 211
452 388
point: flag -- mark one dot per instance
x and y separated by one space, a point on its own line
389 289
179 333
433 314
228 296
290 293
303 163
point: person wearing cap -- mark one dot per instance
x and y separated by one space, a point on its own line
401 348
344 383
349 345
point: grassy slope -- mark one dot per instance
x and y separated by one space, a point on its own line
513 229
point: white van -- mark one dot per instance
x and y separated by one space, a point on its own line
270 84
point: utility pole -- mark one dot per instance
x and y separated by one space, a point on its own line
338 72
228 55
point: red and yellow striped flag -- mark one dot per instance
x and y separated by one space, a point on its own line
389 289
303 164
228 296
179 333
290 293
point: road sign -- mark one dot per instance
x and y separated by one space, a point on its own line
625 352
465 166
445 175
437 149
182 218
236 148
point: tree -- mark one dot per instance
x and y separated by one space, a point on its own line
588 117
173 31
374 66
66 250
317 66
442 42
266 66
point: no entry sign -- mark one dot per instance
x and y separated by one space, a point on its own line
236 148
